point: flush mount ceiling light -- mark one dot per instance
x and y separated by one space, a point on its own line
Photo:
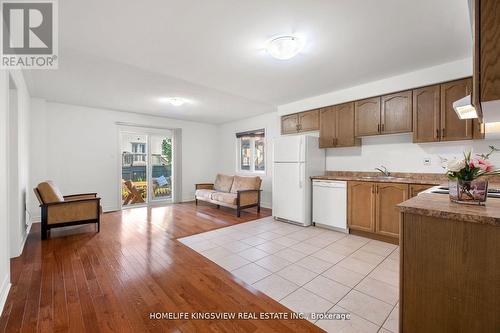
175 101
464 108
284 47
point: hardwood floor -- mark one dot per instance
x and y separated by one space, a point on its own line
82 281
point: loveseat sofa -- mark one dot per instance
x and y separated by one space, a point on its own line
231 191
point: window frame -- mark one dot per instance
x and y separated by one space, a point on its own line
253 150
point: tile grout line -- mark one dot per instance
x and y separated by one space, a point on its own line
388 317
307 255
367 295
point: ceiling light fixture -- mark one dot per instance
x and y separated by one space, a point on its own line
284 47
175 101
464 108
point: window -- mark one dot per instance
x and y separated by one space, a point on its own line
251 151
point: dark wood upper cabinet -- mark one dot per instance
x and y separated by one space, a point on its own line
426 114
486 14
396 113
367 117
345 126
452 127
300 122
290 124
327 127
477 130
337 126
309 121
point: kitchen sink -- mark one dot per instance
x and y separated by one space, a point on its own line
381 177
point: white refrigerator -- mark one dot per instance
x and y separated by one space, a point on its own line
295 160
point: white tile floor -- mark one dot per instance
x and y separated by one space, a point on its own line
311 270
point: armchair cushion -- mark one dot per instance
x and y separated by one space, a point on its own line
49 192
245 183
223 183
227 198
204 193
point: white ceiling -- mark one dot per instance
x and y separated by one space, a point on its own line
126 54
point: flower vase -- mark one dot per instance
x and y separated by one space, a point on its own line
471 192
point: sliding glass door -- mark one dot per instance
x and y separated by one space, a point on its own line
161 168
146 168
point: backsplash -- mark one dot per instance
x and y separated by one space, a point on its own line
399 154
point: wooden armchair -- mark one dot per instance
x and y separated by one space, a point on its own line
62 211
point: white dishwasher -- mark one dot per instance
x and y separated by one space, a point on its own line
330 204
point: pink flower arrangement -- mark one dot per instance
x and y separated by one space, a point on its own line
471 168
483 165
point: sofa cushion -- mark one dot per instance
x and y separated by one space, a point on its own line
245 183
228 198
223 183
204 194
49 192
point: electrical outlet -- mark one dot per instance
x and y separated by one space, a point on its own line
427 161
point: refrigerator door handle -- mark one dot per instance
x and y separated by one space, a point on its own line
300 150
300 174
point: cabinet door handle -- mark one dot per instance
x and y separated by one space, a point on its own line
442 133
383 127
378 128
437 133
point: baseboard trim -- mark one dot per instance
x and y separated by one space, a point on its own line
21 248
4 291
266 205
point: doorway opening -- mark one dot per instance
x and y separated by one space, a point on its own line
147 174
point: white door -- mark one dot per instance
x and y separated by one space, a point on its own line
288 149
289 191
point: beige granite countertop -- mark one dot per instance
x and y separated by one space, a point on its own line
440 206
399 177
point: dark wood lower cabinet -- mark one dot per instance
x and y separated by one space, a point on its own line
415 189
388 195
372 209
449 277
361 206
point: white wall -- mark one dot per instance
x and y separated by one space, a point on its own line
13 171
78 148
436 74
227 150
18 162
399 154
4 229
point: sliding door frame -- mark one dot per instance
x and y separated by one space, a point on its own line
124 128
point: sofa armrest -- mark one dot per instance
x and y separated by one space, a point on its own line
204 186
248 197
71 211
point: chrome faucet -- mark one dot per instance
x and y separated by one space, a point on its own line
383 170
